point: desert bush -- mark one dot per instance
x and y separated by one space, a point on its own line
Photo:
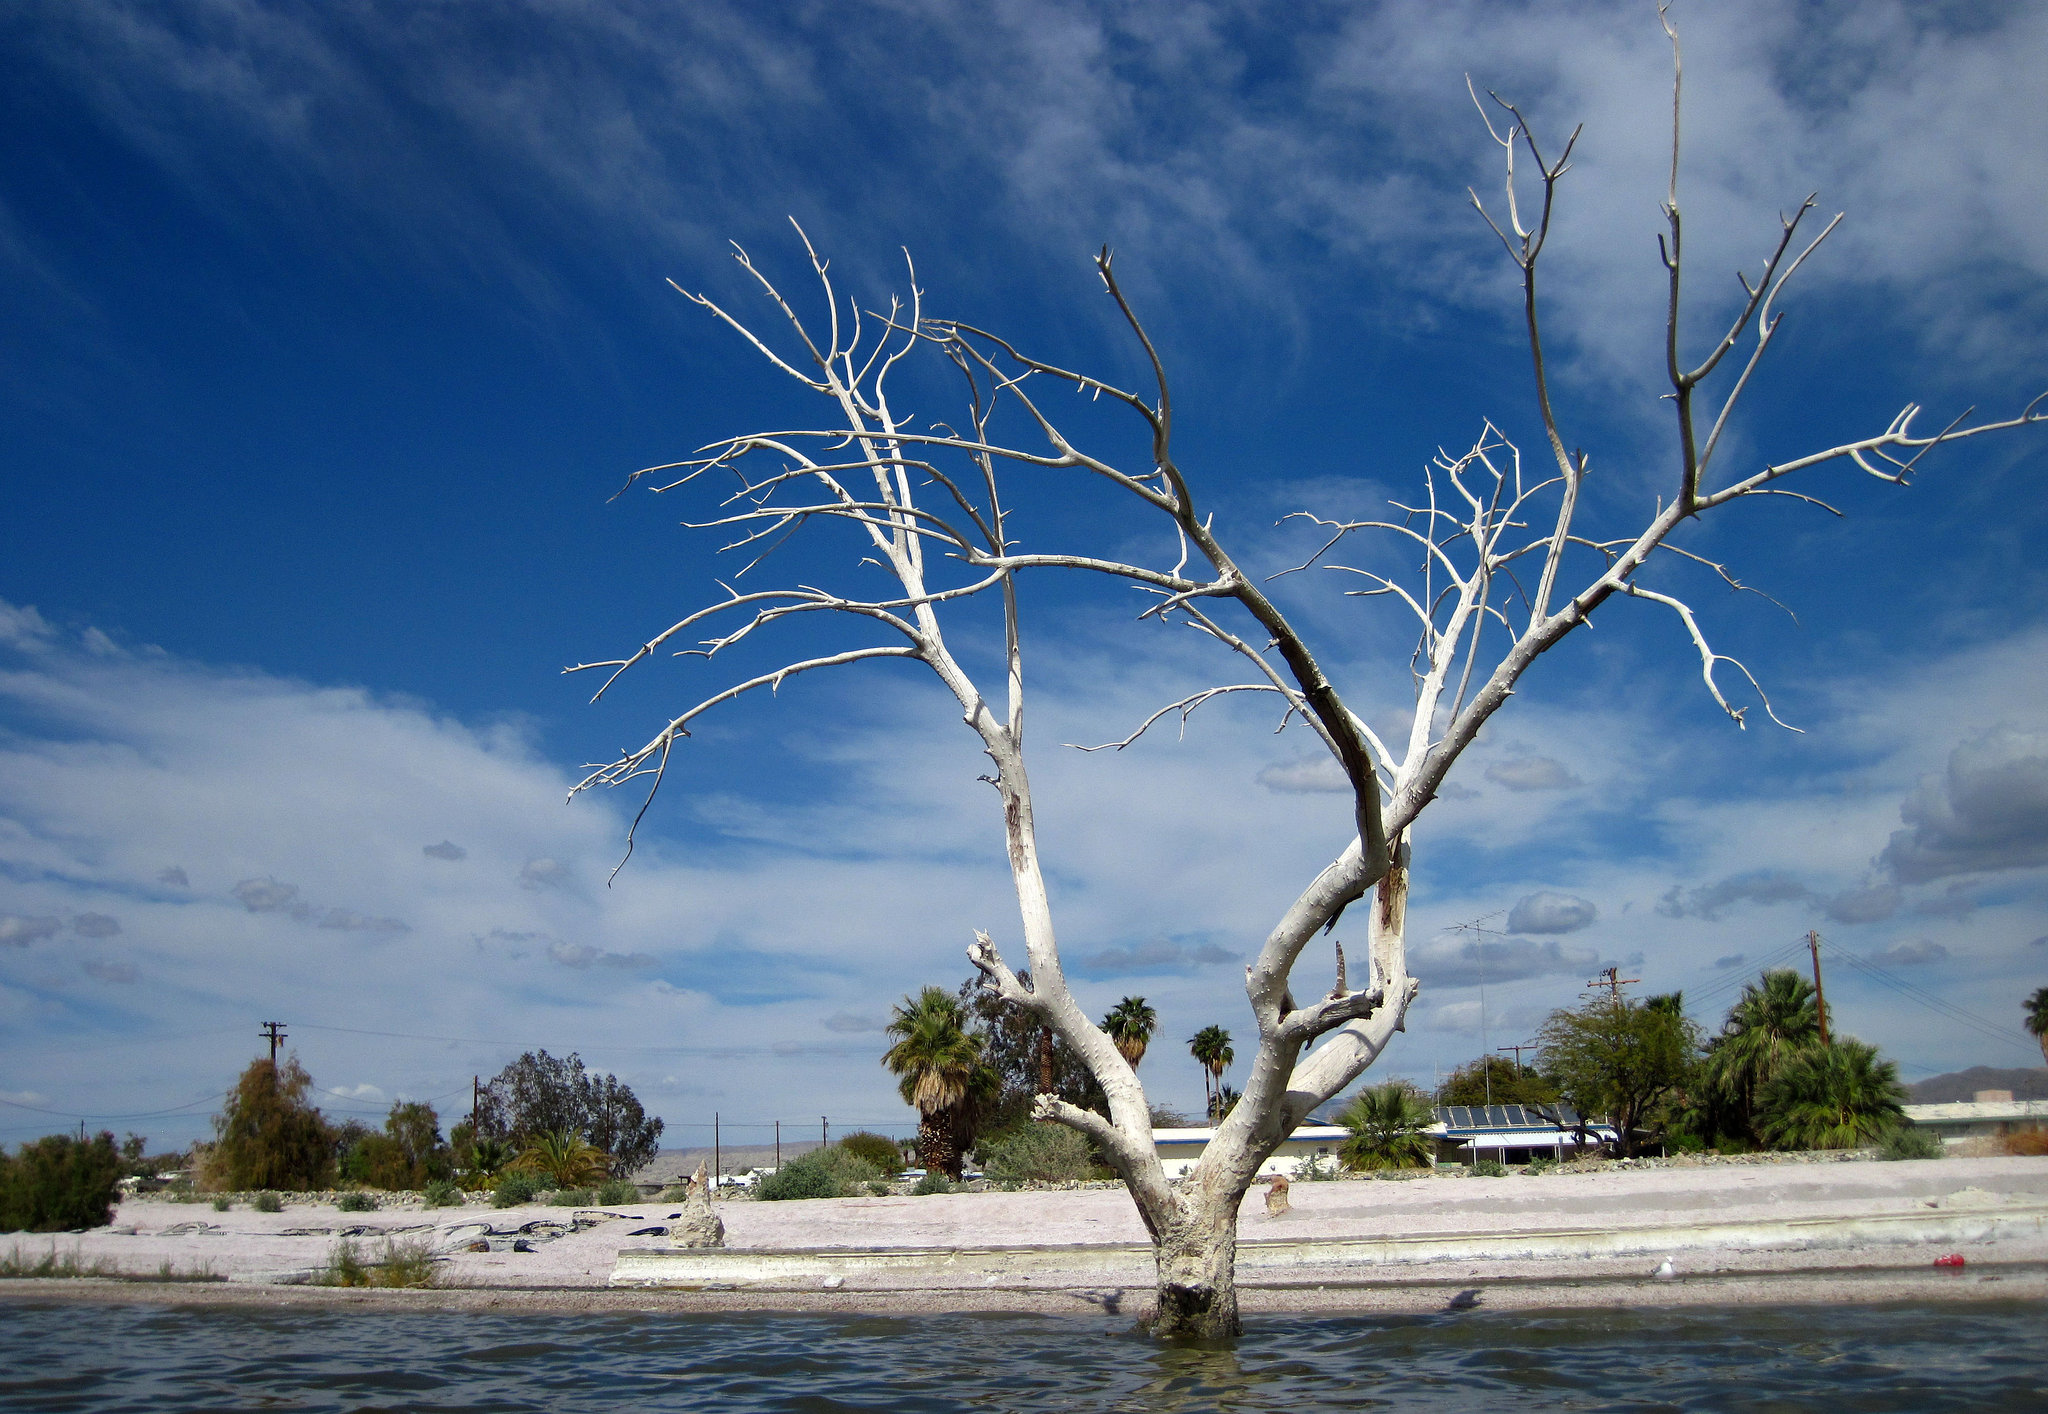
59 1183
802 1177
1316 1168
2027 1142
1489 1168
932 1183
674 1193
516 1186
849 1170
877 1149
443 1193
822 1173
1037 1153
572 1198
1539 1166
222 1205
1906 1142
356 1203
407 1262
617 1191
267 1202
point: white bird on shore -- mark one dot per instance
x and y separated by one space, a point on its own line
1666 1272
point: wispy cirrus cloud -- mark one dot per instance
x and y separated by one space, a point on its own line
1186 131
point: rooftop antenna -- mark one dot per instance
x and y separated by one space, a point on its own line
1477 927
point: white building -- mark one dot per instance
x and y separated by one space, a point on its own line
1993 1114
1179 1148
1461 1134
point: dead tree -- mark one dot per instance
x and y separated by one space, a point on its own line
1504 570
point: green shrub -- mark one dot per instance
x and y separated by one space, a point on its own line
877 1149
1037 1153
822 1173
443 1193
356 1203
803 1177
932 1183
59 1183
1315 1168
849 1170
221 1205
571 1198
1489 1168
1906 1142
1539 1166
674 1193
267 1202
516 1186
618 1191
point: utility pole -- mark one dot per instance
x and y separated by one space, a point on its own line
1613 982
274 1032
475 1098
824 1132
1525 1046
717 1162
1820 998
778 1144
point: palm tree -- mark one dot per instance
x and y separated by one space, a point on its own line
566 1158
488 1155
2037 1018
1387 1124
1839 1096
1775 1019
1211 1047
942 1072
1130 1024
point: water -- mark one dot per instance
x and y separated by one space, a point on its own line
166 1360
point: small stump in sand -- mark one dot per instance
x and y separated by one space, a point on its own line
698 1226
1276 1196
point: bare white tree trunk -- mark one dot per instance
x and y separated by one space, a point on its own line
904 488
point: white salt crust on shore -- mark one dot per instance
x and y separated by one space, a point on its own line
571 1272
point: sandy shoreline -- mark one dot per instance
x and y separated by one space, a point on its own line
261 1257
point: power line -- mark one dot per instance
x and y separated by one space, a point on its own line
713 1051
1941 1006
1737 978
145 1114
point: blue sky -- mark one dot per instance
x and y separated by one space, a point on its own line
330 330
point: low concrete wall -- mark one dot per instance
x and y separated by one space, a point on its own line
1078 1264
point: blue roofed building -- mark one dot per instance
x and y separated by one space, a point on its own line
1514 1134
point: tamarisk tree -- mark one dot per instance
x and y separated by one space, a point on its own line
1505 568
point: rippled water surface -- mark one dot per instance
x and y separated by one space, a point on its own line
87 1357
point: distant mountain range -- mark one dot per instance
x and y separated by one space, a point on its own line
1964 1085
